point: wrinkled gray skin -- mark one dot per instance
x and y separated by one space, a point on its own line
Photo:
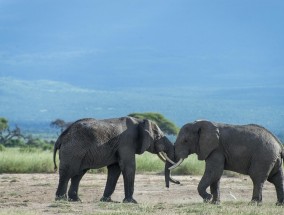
91 144
248 149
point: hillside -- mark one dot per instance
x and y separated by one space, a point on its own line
34 104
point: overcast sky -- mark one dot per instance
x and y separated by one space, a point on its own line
146 43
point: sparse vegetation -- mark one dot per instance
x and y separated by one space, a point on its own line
15 138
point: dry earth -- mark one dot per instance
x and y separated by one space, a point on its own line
34 193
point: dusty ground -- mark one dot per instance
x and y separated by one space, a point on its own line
34 193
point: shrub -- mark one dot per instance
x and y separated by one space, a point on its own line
2 148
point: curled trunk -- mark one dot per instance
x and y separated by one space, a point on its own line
168 177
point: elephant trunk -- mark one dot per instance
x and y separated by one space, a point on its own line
168 164
167 173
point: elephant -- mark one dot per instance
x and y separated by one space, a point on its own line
91 144
247 149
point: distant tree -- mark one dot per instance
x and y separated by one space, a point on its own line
60 124
165 125
8 136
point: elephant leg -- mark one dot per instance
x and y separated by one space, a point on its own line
128 171
257 192
215 191
114 172
213 172
259 173
64 178
277 180
73 190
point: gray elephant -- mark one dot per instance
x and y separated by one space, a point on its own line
91 144
247 149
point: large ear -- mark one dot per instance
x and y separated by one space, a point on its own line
208 139
145 136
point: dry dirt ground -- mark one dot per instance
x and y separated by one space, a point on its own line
34 193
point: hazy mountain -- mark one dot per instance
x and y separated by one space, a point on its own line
34 104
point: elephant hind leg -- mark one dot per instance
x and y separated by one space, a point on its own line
257 191
277 180
62 185
73 190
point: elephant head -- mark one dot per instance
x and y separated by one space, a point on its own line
200 137
153 140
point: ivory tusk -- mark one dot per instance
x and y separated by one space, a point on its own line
161 157
167 158
176 165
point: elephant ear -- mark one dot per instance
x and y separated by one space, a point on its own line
145 136
208 139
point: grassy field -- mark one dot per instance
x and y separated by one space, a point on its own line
17 160
232 208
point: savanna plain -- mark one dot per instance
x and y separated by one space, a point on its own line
33 193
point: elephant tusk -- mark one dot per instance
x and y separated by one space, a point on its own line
176 165
161 157
167 158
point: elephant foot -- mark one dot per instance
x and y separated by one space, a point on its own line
74 199
255 203
215 202
129 200
60 198
207 198
107 199
279 203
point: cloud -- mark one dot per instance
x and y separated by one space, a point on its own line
44 57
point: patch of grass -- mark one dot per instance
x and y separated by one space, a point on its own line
148 162
31 160
15 160
232 208
190 166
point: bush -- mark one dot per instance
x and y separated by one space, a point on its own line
2 148
15 143
165 125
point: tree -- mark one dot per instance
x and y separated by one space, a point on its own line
60 124
9 137
165 125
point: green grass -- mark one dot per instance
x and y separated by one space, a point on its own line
151 163
232 208
15 160
31 160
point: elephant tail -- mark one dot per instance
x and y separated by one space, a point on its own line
55 148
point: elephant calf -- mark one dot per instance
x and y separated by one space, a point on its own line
247 149
91 144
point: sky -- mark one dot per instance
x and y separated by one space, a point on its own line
134 44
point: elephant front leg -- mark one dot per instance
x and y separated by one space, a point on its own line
114 172
213 172
128 171
215 191
202 186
